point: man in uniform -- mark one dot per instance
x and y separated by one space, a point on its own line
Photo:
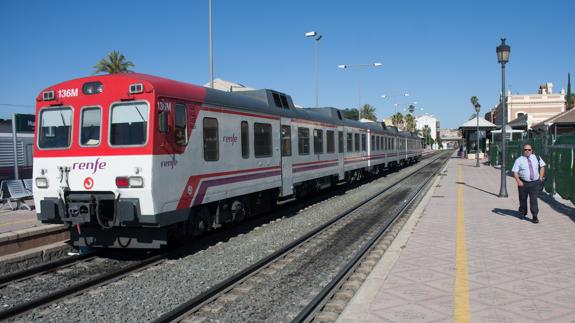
529 171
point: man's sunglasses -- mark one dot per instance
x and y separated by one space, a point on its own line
527 149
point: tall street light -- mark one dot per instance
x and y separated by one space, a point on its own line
316 37
344 66
211 46
477 109
503 51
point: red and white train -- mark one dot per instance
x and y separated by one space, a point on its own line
132 160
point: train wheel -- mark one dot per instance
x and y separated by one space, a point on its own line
200 221
240 209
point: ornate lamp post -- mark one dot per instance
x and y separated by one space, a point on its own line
477 109
503 51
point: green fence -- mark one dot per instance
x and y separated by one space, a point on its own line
559 157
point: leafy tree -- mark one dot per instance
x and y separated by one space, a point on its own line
439 142
352 114
410 122
397 120
368 112
427 139
114 63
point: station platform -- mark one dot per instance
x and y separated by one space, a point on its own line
13 220
465 255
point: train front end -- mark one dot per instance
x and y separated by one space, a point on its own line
93 161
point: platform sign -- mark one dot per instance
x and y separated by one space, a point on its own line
25 122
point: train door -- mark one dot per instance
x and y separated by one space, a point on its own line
286 157
340 153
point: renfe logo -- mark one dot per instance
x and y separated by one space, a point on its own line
90 166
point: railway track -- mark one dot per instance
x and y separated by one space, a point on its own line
298 281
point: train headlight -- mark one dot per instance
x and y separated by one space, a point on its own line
41 182
136 181
132 181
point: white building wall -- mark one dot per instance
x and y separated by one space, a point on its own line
431 122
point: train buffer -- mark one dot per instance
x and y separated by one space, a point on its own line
466 255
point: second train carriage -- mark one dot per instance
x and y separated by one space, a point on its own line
131 160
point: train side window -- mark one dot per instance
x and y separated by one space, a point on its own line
211 139
91 126
286 140
349 142
181 125
330 134
372 142
245 133
303 141
317 141
363 142
378 142
340 141
356 140
262 140
55 126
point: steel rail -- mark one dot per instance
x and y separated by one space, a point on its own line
195 303
307 314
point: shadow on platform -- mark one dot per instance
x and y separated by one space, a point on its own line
556 206
508 212
477 188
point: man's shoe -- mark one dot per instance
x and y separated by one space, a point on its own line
535 219
522 212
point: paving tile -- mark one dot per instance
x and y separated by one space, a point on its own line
493 296
416 292
495 315
537 310
406 313
423 275
563 297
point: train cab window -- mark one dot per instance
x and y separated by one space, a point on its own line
330 134
91 125
211 139
356 140
363 142
262 140
181 125
340 141
129 124
245 133
55 126
285 104
303 141
349 142
318 141
286 140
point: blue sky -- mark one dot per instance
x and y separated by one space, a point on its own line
441 52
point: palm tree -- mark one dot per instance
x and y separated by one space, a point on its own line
368 112
474 101
427 139
397 119
352 114
410 122
113 64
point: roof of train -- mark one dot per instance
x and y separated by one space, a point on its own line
254 101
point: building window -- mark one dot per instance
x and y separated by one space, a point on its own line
245 133
262 140
303 141
211 141
330 134
286 140
318 141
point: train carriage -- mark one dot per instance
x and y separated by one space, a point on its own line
133 160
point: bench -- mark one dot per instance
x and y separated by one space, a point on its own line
14 193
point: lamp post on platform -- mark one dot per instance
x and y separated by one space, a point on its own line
503 51
344 66
477 108
315 36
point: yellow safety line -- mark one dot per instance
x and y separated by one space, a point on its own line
461 301
17 222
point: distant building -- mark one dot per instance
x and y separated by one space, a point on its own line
536 107
450 138
431 122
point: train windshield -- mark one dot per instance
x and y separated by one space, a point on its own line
55 126
129 124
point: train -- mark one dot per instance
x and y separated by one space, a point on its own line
134 161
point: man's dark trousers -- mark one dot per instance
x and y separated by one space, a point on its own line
532 190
